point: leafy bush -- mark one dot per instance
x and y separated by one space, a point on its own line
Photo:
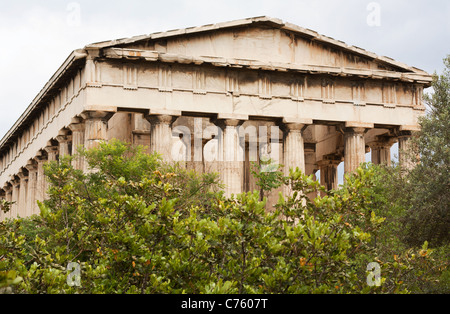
134 224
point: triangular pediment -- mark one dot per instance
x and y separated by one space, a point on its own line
261 39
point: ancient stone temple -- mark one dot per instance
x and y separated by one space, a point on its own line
217 98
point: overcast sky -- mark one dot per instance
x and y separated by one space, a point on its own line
37 36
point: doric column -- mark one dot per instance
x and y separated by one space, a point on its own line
161 134
210 138
40 191
181 151
52 155
381 151
381 154
294 150
22 204
329 173
52 152
404 142
354 149
31 207
140 131
198 142
64 139
77 127
231 156
96 127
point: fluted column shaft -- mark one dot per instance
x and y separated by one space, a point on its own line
161 135
381 152
404 143
355 149
31 207
329 174
40 181
294 150
96 127
22 204
381 155
77 127
141 131
231 161
15 198
64 141
52 155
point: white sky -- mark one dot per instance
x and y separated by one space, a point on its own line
37 36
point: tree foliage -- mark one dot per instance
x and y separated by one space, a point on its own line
137 225
426 188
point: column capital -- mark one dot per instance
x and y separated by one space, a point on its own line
161 119
15 180
22 175
224 123
162 116
355 130
382 142
294 127
51 149
404 134
76 125
63 138
224 120
41 157
103 115
7 187
31 165
64 132
295 124
329 162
